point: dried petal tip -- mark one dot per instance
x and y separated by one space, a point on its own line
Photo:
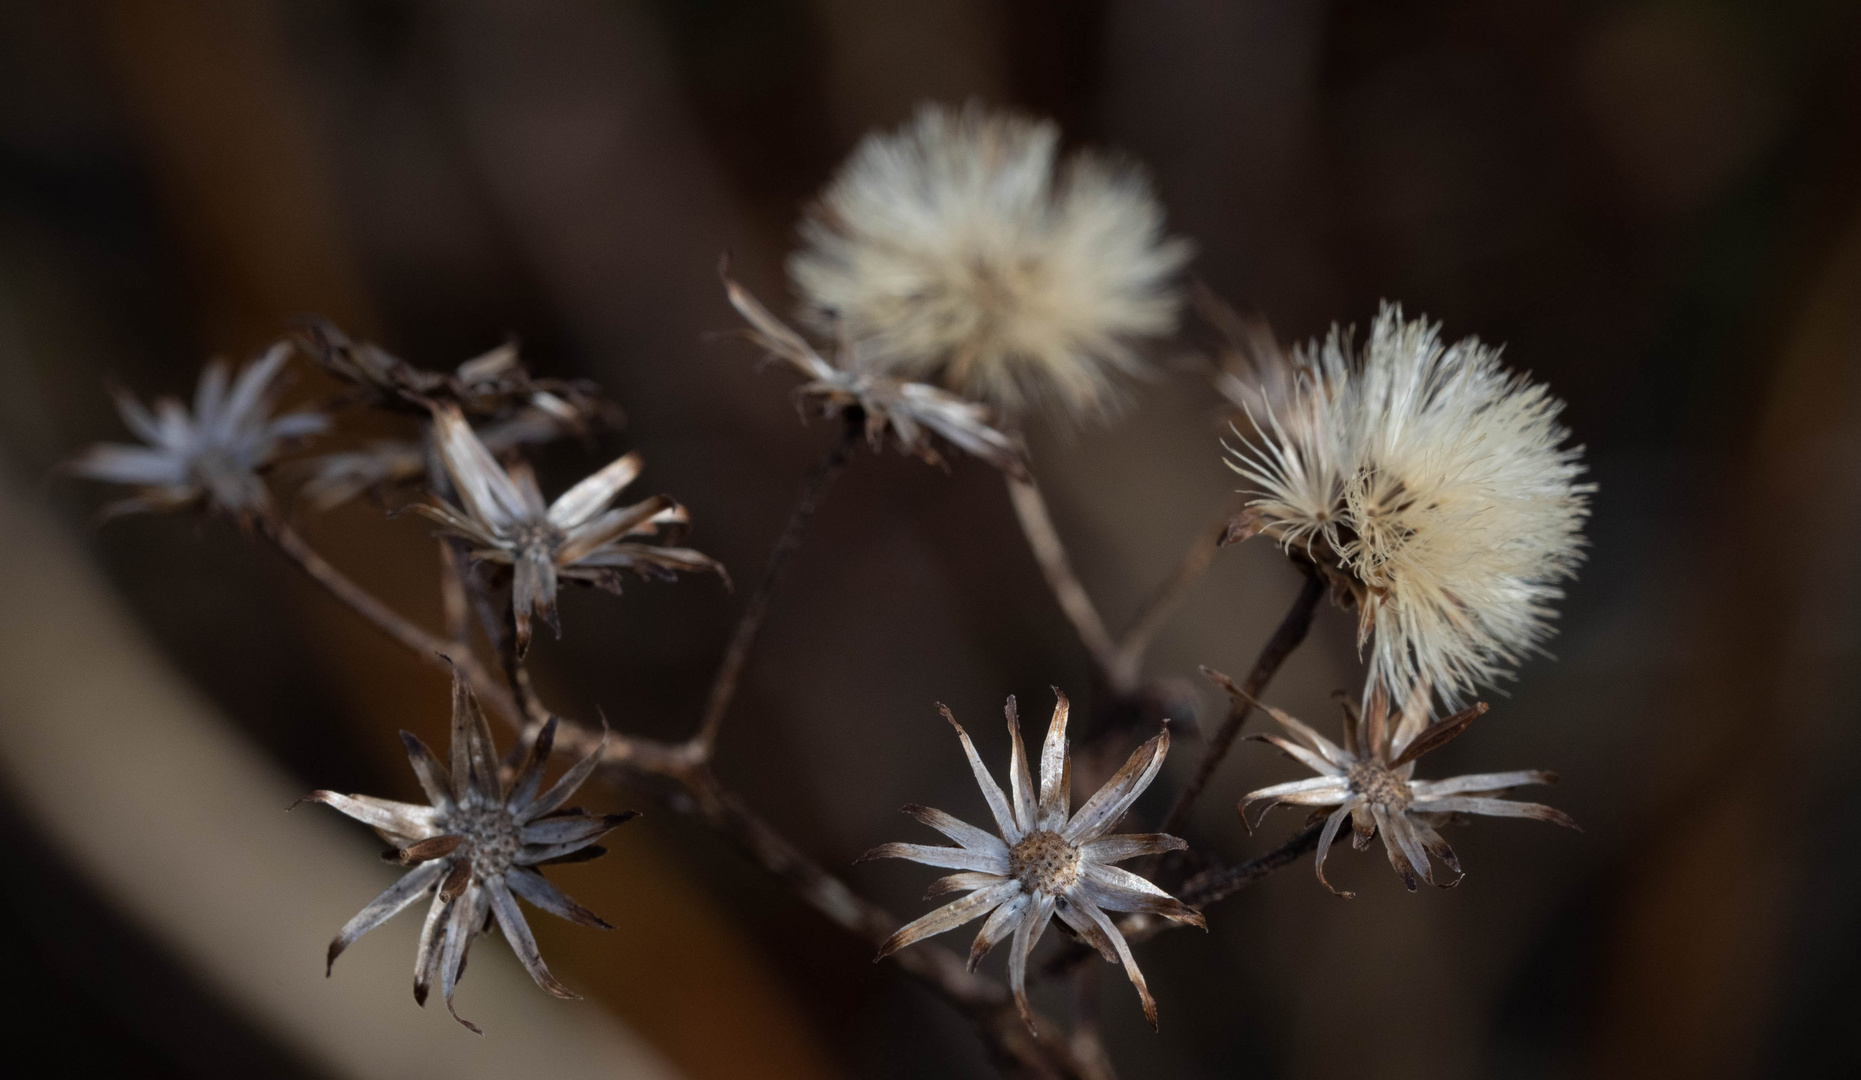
1370 781
474 850
1044 860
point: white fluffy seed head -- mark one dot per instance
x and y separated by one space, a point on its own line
957 250
1438 482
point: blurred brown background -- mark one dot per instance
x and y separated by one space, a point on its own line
1655 206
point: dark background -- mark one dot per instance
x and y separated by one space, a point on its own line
1656 207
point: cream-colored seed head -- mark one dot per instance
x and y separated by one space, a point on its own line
1436 481
960 250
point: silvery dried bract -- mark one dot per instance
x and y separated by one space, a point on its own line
212 455
476 849
1370 780
1433 486
494 384
962 249
387 468
501 512
910 412
1045 861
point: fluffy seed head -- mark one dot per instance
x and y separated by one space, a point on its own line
958 250
1434 484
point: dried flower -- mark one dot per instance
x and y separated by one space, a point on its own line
1431 484
476 847
1045 861
576 537
388 467
910 412
957 250
1370 779
493 384
212 456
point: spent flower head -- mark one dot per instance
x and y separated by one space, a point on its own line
212 456
910 413
1044 860
1371 780
1433 487
476 847
494 384
960 249
501 512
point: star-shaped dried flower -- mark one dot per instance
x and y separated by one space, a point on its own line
211 456
476 848
1371 780
390 469
577 537
1432 486
909 412
1046 861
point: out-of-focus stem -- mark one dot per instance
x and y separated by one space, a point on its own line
1127 662
749 625
1287 637
1050 553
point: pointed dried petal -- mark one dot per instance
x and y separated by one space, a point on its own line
643 517
1113 849
966 881
1375 724
1415 714
1056 768
1495 808
484 488
1116 889
1107 805
576 829
948 917
991 791
1328 834
1076 915
517 932
1027 932
1438 848
1020 780
474 756
1314 791
434 780
1480 783
461 927
999 925
426 956
1398 858
1402 831
529 778
1332 753
960 831
411 886
1438 735
1130 964
536 889
951 858
592 495
396 818
1310 760
567 784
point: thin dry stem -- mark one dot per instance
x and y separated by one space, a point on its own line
1050 553
1128 660
813 491
1287 637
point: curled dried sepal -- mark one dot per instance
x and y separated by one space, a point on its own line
1370 781
1044 859
908 412
474 847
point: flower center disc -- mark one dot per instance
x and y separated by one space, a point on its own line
1043 862
490 839
1379 785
